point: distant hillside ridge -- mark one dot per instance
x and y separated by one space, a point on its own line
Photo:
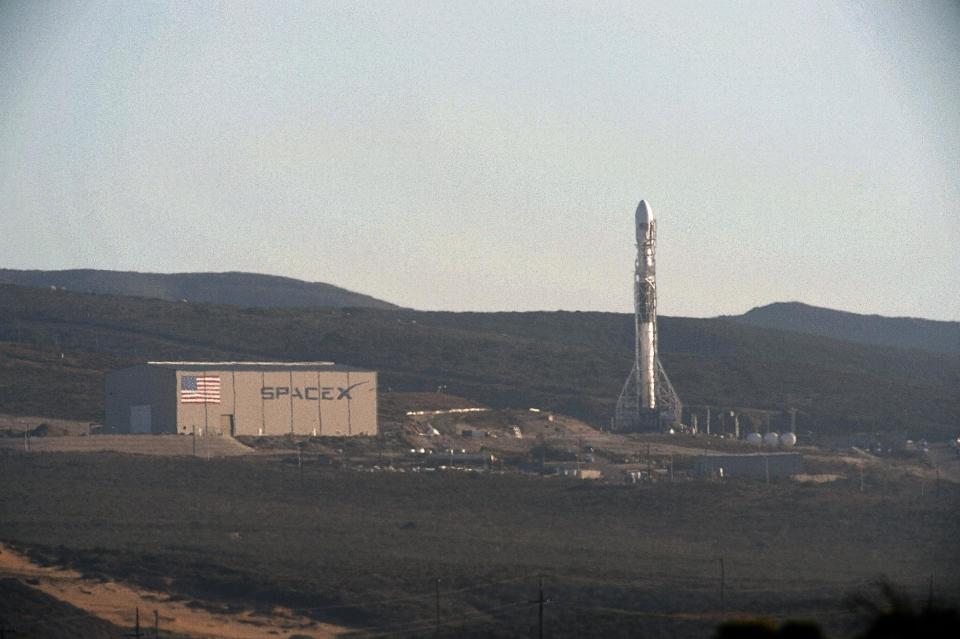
55 347
902 332
249 290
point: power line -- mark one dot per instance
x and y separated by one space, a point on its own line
697 582
701 615
408 627
425 595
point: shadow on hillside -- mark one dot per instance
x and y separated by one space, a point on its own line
890 614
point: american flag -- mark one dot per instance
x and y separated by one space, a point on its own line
200 390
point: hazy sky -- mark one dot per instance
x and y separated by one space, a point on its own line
489 156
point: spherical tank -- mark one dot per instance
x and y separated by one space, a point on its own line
755 438
788 439
771 439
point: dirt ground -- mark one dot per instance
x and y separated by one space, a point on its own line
116 602
20 423
181 445
557 430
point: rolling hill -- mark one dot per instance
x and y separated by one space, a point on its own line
237 289
56 345
902 332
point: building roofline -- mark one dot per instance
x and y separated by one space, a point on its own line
192 366
241 363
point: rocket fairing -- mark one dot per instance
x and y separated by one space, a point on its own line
644 222
645 307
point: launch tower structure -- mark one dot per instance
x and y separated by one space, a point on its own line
648 400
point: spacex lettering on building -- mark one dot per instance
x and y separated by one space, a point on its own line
312 393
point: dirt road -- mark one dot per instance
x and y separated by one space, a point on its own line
116 602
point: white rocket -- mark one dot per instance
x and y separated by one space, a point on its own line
645 307
648 399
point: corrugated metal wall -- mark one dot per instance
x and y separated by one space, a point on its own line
301 402
140 386
756 465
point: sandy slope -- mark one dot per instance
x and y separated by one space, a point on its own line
116 602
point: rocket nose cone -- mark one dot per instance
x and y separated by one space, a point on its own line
644 214
644 220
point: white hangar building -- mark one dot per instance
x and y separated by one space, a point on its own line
242 398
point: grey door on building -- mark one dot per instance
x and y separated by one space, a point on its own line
140 419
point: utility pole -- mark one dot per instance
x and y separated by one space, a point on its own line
300 462
4 630
136 634
437 591
540 611
540 601
723 584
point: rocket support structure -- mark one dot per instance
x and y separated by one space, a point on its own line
648 398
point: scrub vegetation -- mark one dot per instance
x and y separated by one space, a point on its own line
365 549
31 613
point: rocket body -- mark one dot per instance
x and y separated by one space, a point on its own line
647 400
645 307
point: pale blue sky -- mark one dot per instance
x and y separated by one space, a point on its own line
489 156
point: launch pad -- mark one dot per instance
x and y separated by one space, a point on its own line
647 401
630 417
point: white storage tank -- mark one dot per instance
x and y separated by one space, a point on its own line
771 439
755 438
788 440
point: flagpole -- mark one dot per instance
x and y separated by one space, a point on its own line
206 404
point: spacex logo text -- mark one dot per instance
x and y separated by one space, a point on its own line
312 393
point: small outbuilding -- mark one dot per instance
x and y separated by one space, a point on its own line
755 465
